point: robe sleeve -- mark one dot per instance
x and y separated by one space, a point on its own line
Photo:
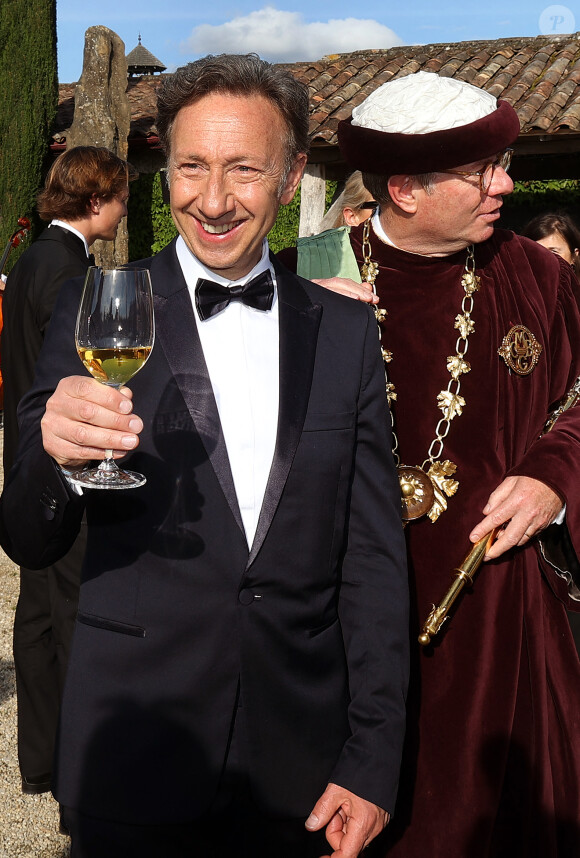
554 457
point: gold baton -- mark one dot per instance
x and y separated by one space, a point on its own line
465 572
463 575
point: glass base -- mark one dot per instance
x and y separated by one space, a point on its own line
101 478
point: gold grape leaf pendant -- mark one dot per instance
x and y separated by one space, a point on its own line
443 487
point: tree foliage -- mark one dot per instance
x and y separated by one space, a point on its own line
28 103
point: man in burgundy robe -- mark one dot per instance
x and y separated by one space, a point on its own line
492 764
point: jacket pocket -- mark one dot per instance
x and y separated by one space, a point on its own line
110 625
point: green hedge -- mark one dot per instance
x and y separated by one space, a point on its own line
533 198
285 231
149 223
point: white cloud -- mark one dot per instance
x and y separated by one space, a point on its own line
280 36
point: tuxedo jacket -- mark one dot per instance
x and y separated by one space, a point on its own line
180 622
29 297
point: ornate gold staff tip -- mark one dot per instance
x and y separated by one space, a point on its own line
463 575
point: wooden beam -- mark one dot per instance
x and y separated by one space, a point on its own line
312 199
548 144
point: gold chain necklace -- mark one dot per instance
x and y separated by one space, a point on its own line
425 488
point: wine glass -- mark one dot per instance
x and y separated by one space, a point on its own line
114 336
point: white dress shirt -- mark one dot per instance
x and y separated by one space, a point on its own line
378 228
240 346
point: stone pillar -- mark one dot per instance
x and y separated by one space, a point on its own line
312 199
102 118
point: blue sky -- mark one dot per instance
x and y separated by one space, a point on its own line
177 31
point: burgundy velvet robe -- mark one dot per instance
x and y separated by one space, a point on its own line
492 765
493 752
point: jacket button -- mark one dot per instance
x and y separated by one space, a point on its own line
246 597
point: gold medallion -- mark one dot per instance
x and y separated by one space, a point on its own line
425 492
417 492
520 350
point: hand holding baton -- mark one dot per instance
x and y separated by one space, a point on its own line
466 571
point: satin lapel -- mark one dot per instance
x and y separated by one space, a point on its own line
176 332
299 323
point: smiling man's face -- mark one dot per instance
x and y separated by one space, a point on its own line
227 181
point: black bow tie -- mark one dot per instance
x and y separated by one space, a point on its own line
211 298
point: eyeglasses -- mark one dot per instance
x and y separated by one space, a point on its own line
486 174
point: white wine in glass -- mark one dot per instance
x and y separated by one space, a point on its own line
114 336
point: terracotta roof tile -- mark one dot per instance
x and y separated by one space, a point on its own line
570 119
540 76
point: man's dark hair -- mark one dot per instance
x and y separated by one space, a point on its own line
236 74
77 175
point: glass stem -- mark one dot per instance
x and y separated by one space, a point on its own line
108 464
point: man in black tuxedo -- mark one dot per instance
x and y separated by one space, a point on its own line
239 666
84 198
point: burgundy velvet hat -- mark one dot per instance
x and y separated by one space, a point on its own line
447 123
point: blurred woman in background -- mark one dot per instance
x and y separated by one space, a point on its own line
557 232
351 207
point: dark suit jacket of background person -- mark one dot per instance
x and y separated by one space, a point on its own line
29 298
47 605
177 616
